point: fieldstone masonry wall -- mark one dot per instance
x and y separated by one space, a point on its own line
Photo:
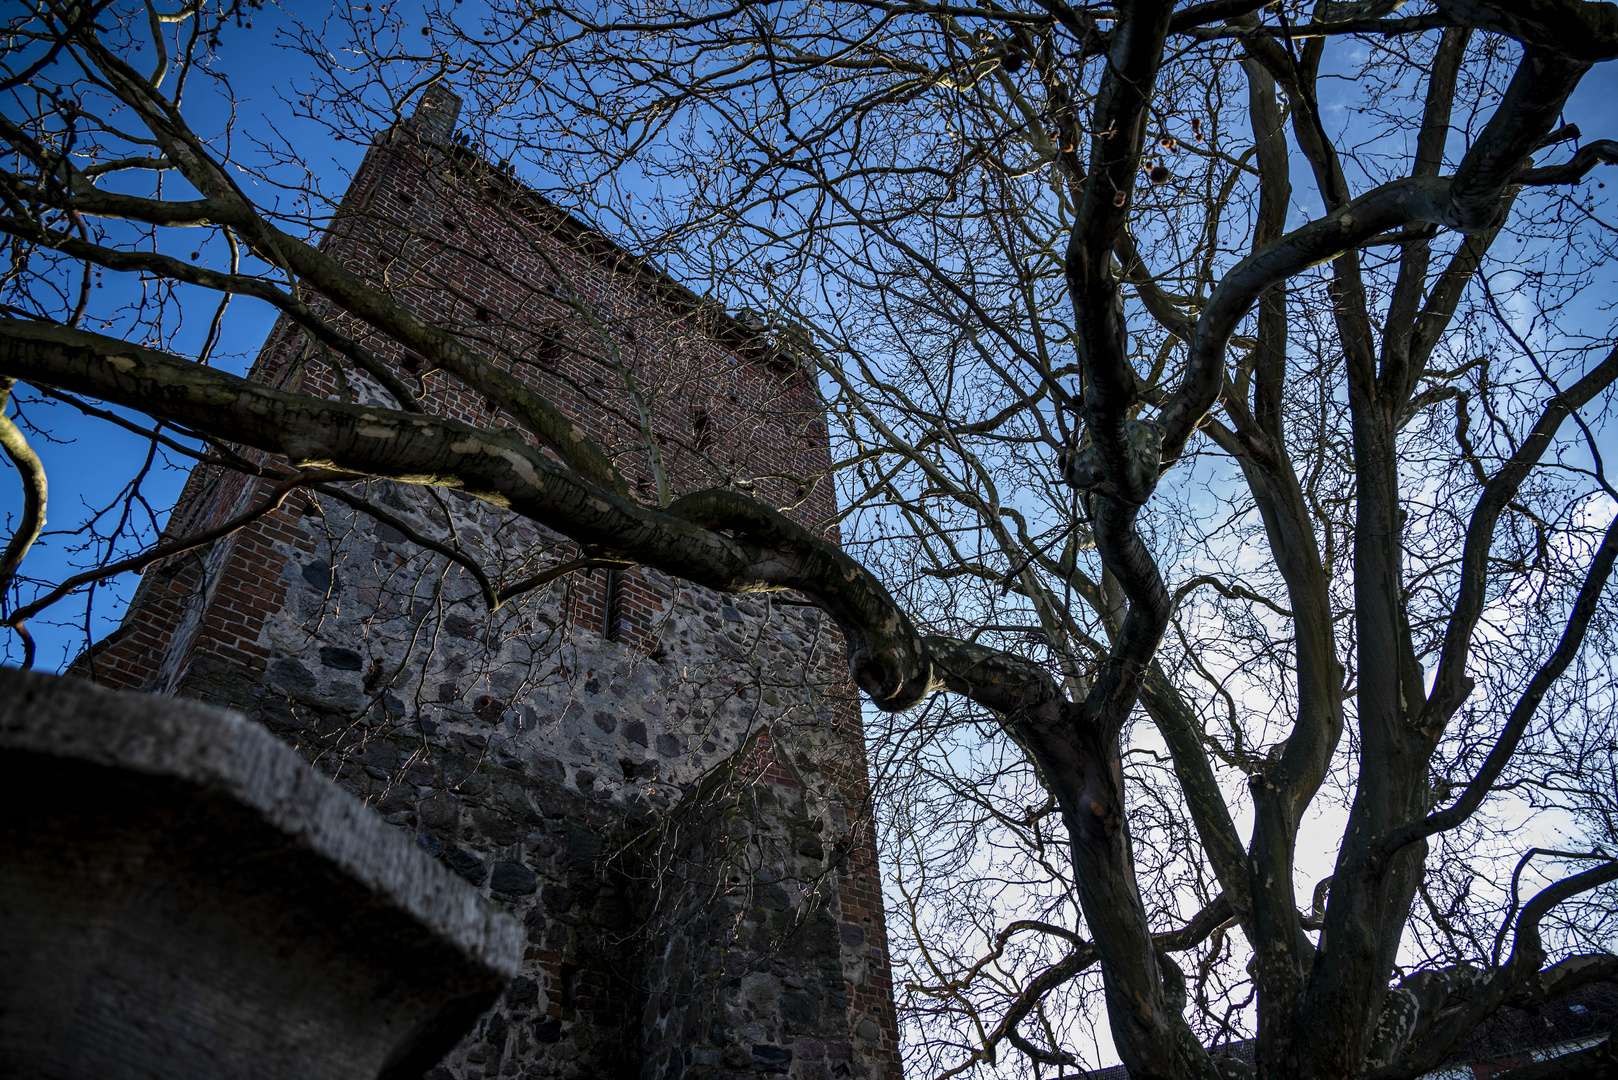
666 785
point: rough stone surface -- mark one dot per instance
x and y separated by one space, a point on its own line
182 897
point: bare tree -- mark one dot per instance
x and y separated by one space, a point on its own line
1097 296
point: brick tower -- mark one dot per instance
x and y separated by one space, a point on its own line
665 784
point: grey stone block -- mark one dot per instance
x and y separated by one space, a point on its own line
334 656
319 576
513 878
182 897
771 1059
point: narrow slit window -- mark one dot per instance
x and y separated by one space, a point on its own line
612 607
569 986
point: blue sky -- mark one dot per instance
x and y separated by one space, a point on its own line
89 461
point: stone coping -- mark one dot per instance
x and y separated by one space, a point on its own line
220 751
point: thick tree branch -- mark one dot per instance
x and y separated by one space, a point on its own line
1211 11
165 266
1118 135
1564 977
1414 24
1580 29
1585 158
1083 955
1414 257
1501 983
1578 621
1450 683
1531 107
228 205
766 551
1468 202
31 471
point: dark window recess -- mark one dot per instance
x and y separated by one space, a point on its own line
484 314
570 986
411 362
702 426
406 199
613 621
449 223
